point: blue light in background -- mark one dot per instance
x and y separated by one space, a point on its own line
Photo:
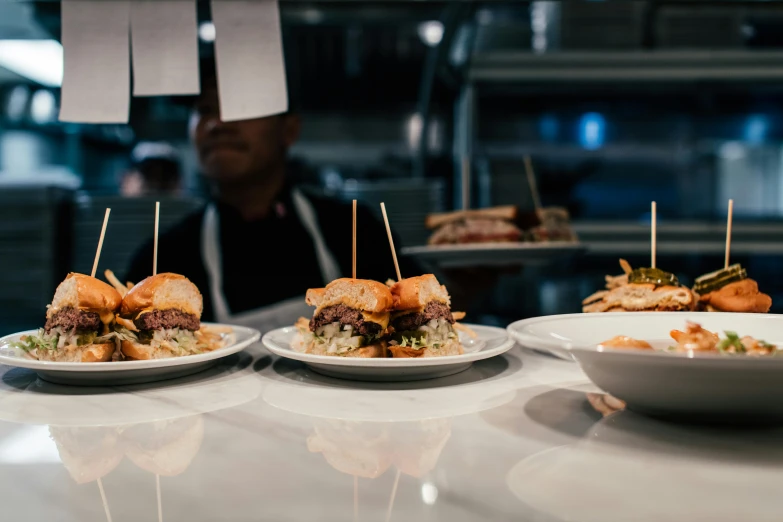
756 128
592 128
548 127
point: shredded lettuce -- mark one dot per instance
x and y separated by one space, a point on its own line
40 341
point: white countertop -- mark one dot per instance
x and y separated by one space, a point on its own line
256 438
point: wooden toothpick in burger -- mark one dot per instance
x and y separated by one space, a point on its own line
728 234
100 242
353 256
531 181
103 499
155 240
391 242
393 495
653 234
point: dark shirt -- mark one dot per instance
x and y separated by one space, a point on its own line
272 259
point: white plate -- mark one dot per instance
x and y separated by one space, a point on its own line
125 372
494 254
490 342
703 386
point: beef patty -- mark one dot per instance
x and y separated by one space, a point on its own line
164 319
344 315
433 310
73 319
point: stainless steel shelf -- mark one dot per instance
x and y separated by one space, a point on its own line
659 66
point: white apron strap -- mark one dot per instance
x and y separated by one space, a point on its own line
210 253
330 269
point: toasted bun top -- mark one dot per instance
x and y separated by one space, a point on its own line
361 294
84 293
163 292
508 213
415 292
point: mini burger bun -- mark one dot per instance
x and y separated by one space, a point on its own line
416 292
164 291
84 293
87 353
143 352
359 294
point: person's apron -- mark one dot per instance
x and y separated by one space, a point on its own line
284 313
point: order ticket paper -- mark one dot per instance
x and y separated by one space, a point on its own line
96 61
164 44
249 59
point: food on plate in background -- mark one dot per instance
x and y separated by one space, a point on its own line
166 447
351 319
697 339
160 317
422 323
730 290
88 453
487 225
643 289
554 225
77 323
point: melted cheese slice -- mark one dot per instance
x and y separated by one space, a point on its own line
381 318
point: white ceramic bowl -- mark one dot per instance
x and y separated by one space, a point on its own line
702 386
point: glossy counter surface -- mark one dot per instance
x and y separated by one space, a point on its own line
516 437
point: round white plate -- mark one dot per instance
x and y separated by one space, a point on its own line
494 254
489 343
125 372
699 387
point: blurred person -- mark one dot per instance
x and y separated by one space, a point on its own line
155 169
260 242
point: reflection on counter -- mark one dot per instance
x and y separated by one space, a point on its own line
163 448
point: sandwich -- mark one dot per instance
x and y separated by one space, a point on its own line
422 324
488 225
730 290
160 318
553 225
77 323
641 290
351 319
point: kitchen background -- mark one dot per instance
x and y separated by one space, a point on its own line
617 103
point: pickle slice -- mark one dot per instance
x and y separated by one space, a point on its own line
718 279
654 276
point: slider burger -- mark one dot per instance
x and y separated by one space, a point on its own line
159 318
641 290
488 225
422 323
350 319
77 321
731 290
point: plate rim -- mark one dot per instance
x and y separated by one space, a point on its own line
576 347
128 366
418 362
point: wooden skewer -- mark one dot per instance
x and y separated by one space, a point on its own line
465 183
728 233
100 242
393 496
653 234
391 241
155 244
103 498
354 239
160 504
355 498
531 180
